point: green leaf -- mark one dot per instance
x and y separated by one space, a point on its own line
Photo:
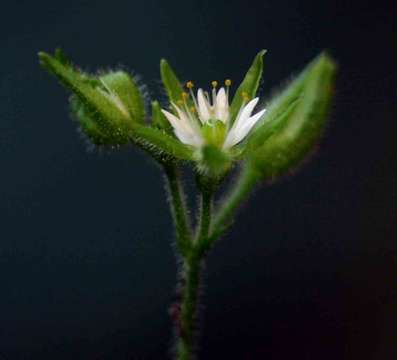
122 85
171 83
295 121
249 85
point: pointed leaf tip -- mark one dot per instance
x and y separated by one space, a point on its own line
249 85
171 82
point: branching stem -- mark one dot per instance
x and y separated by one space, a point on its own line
193 251
224 217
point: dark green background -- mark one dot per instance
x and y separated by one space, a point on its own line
86 264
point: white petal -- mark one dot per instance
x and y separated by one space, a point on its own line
242 116
251 122
188 121
175 122
183 129
243 124
182 116
241 132
245 113
230 139
203 107
222 106
188 139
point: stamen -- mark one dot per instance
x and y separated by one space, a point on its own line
190 86
185 96
190 111
214 85
184 103
228 82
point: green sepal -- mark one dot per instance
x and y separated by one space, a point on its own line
125 88
158 118
295 121
214 132
171 82
88 125
161 145
249 85
213 162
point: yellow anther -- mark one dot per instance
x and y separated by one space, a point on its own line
193 109
190 85
180 102
228 82
214 84
185 95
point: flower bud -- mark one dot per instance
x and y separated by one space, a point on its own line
294 121
107 106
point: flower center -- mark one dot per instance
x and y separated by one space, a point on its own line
207 106
214 132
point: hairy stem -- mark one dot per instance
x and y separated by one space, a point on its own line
178 209
192 272
186 342
247 180
205 215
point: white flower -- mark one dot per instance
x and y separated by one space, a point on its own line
189 122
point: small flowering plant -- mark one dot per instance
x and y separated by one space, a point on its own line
210 132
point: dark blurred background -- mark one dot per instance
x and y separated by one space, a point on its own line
87 269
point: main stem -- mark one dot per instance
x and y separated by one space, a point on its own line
178 209
192 273
187 331
194 250
185 313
